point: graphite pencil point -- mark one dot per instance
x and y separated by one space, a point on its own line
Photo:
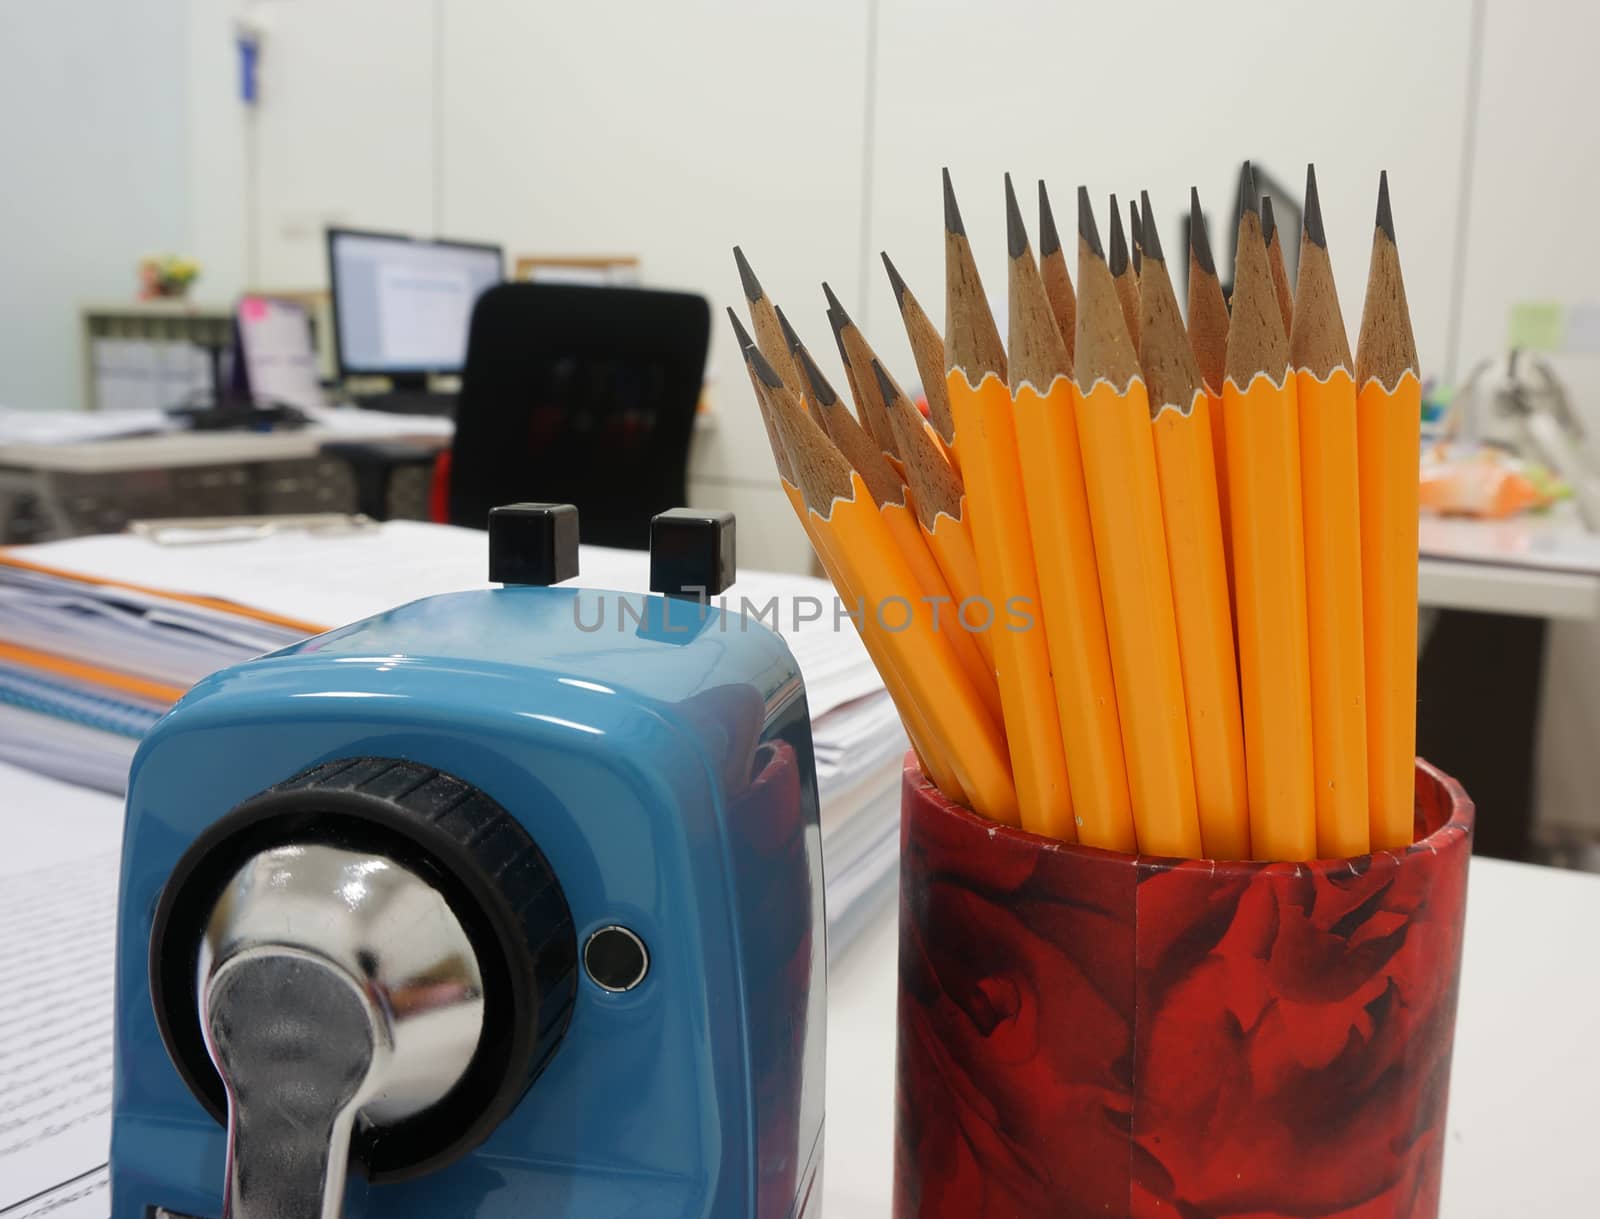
1016 235
1049 239
1135 235
1313 216
1088 232
886 385
767 374
1199 243
789 335
1385 216
740 333
747 277
895 281
813 375
952 213
1147 230
834 307
1118 260
1248 201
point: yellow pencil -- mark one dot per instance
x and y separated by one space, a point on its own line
1063 540
934 763
1208 335
940 502
1269 570
1330 491
764 317
927 349
857 356
850 531
1187 470
980 403
1388 421
889 494
1119 466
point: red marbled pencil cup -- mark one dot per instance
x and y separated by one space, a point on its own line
1084 1033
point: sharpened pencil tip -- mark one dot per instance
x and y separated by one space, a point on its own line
1118 261
789 336
1199 243
813 375
952 213
763 369
895 282
1313 216
739 331
1135 234
1049 239
886 386
1147 230
1016 235
747 277
834 307
1269 222
1385 216
1088 232
1247 191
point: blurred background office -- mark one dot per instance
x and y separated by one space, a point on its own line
637 143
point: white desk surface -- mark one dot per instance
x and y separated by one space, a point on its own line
198 448
1542 566
1524 1088
170 449
1525 1085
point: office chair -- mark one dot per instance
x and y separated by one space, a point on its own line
570 394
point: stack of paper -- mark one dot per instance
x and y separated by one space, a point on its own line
58 918
78 427
99 635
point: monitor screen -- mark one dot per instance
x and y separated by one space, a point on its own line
403 306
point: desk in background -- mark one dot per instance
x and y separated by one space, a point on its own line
1489 591
51 491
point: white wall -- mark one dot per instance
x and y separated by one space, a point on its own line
93 173
1532 235
346 127
218 194
1195 89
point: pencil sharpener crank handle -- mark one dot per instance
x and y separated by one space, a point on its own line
336 987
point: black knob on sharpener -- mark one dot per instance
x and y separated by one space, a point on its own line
692 553
533 543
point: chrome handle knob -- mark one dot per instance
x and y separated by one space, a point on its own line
335 987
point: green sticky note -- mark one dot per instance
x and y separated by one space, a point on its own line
1537 326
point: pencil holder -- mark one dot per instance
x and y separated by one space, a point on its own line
1086 1033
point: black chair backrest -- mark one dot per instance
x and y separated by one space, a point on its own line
579 395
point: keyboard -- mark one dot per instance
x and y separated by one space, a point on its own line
409 402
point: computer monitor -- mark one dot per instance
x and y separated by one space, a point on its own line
401 307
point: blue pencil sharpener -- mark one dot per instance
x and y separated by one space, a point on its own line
502 903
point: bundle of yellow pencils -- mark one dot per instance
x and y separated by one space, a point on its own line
1135 582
